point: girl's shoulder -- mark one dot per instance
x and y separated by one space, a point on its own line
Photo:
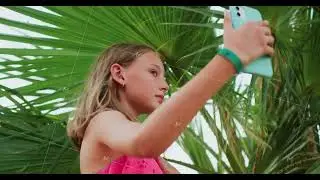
110 113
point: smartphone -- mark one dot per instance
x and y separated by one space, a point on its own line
239 16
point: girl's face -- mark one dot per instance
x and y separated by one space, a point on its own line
145 84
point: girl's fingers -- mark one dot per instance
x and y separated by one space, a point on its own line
269 50
270 40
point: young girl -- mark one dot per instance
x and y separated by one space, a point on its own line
128 80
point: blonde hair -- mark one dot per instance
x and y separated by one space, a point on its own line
101 92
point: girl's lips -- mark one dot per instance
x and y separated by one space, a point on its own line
160 97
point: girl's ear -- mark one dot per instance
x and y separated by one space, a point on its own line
118 73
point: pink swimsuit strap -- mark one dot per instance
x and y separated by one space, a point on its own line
132 165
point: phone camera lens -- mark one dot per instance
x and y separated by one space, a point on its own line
238 14
237 8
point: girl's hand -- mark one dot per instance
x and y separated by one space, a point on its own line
250 41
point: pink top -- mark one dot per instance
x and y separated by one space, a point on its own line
132 165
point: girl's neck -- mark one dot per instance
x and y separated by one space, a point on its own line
131 112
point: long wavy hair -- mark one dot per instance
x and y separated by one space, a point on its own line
101 92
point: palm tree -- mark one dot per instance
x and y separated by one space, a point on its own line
269 127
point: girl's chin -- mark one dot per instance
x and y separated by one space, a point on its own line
155 105
151 108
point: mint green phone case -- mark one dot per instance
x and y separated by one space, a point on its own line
263 65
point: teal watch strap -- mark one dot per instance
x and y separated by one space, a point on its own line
232 57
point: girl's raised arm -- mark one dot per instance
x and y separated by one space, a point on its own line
168 121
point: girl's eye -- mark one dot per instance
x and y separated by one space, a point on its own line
154 73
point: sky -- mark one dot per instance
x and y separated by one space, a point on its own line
173 152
